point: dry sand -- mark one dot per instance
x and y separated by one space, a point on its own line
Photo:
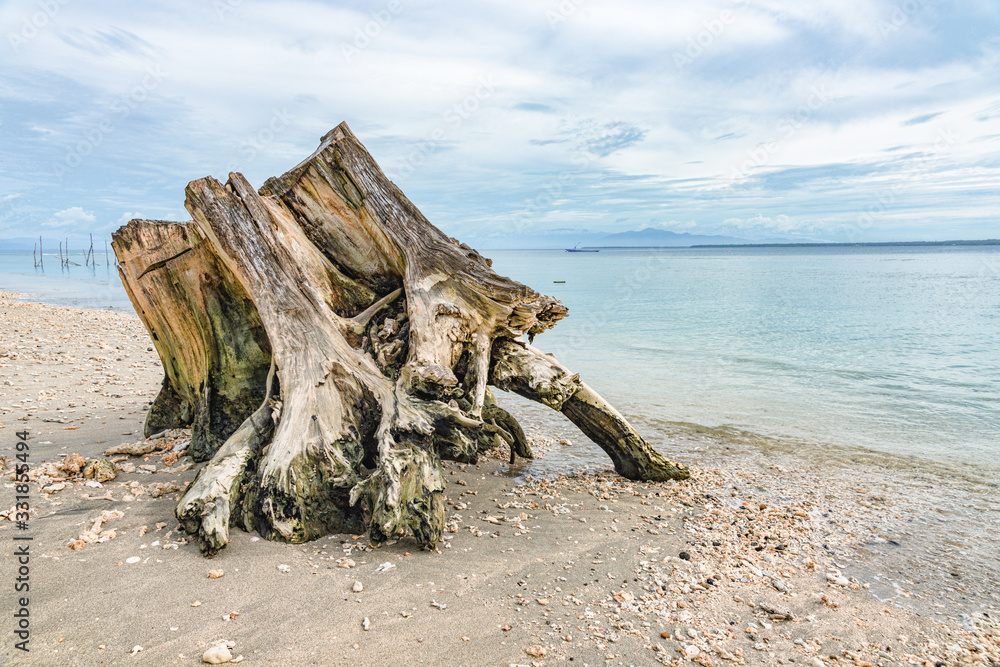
590 569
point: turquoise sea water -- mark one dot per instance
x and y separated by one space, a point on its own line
887 350
77 286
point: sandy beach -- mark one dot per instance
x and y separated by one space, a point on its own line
754 561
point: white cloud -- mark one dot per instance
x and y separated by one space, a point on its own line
73 218
126 217
685 131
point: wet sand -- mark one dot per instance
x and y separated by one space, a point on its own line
757 560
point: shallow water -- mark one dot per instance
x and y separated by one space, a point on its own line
76 286
884 350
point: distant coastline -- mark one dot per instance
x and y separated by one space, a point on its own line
878 244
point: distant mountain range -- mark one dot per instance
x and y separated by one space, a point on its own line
659 238
569 238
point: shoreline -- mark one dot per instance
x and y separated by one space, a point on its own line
828 452
83 377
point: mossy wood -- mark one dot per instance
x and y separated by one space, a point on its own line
328 346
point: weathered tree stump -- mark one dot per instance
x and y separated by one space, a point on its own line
329 346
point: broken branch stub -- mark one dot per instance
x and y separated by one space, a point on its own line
321 328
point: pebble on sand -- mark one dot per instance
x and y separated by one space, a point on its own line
217 655
215 574
358 587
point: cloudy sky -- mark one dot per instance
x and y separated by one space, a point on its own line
839 120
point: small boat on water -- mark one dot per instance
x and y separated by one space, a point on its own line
577 248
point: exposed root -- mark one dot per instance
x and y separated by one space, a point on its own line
633 458
206 507
406 491
510 430
538 376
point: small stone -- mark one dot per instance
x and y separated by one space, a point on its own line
684 555
284 568
366 624
358 587
816 662
72 465
691 651
196 603
347 562
158 489
136 649
536 651
217 655
101 470
132 559
215 574
838 579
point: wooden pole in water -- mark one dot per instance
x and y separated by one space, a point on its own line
33 258
60 255
41 253
90 253
106 261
